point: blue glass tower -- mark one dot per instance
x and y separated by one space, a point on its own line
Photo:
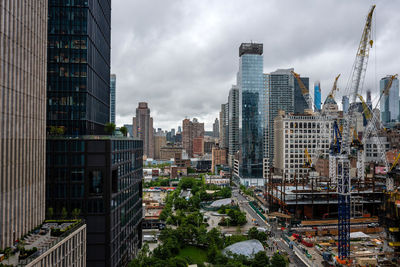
317 95
251 122
389 105
113 80
300 103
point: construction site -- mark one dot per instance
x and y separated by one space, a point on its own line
343 199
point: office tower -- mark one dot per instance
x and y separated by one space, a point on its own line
22 118
113 81
160 140
143 128
179 129
389 104
251 88
223 126
216 128
130 129
233 124
317 95
300 104
78 82
280 88
172 132
100 176
191 130
345 103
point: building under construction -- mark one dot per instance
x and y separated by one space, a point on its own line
315 197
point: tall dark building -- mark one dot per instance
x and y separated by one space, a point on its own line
300 104
78 77
99 175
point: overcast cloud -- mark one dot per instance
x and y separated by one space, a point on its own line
182 56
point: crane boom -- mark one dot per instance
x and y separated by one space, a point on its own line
361 61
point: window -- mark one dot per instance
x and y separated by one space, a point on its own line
96 182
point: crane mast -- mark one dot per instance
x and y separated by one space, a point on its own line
342 160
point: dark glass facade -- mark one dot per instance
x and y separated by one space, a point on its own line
103 178
78 74
251 110
300 103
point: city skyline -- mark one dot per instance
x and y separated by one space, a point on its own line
324 49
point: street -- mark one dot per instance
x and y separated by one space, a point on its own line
275 233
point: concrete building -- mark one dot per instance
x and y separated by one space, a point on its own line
317 95
224 125
160 140
294 134
22 117
143 129
216 128
168 152
251 110
373 149
233 124
113 81
389 104
218 157
191 130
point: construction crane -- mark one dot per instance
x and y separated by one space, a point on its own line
308 161
342 159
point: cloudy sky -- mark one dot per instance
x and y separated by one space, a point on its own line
181 56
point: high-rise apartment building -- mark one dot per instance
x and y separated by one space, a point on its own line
300 103
317 95
389 105
160 140
233 124
78 76
100 176
224 126
191 130
280 88
23 56
143 128
113 83
216 128
251 110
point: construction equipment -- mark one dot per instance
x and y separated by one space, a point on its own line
343 161
308 161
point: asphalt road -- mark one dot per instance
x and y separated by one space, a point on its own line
294 260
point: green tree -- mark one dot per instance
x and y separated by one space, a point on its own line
64 213
260 260
278 260
109 128
75 213
124 130
50 213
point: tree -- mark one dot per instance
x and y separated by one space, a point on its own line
50 213
57 130
64 213
124 130
260 260
109 128
278 260
75 213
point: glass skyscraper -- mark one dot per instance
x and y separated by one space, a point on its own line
389 105
251 110
280 89
300 103
78 76
113 81
317 95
